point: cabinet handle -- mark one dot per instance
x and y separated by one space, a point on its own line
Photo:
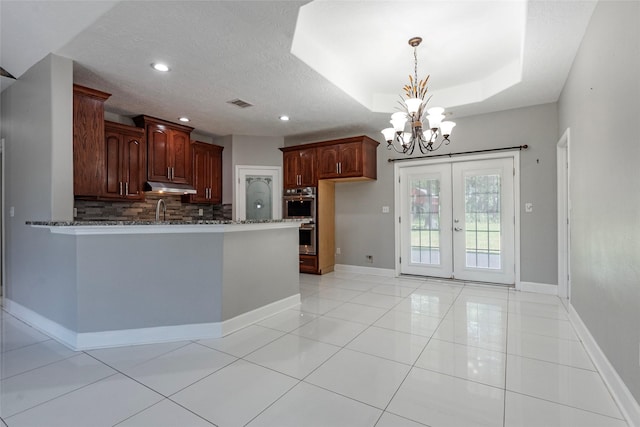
126 188
172 173
168 172
120 189
208 193
340 167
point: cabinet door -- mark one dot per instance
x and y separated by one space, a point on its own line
88 145
216 175
291 162
200 174
328 162
133 166
307 167
350 159
180 157
158 158
113 163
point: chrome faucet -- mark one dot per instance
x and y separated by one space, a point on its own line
164 210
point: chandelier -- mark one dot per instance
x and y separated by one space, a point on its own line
414 111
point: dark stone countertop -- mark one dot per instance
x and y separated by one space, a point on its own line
108 223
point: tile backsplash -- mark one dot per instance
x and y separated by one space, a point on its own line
91 210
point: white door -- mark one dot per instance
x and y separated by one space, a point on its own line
425 200
457 220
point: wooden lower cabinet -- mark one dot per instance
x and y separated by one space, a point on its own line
309 264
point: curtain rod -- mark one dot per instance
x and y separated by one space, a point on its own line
517 147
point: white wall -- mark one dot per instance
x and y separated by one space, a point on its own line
362 229
600 103
37 122
246 150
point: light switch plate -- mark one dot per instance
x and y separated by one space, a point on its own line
528 207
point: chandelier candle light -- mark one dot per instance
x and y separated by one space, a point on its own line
413 110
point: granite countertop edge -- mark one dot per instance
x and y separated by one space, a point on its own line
121 223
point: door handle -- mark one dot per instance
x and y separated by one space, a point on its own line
457 228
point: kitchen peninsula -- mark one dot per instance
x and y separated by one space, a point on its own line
108 283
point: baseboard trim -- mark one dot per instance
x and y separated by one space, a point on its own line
245 319
117 338
539 288
374 271
41 323
626 402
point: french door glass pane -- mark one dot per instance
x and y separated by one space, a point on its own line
482 216
259 196
425 221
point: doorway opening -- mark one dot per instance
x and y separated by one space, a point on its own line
458 218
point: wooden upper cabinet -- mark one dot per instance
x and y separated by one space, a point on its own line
88 141
207 173
349 158
299 168
125 150
180 155
168 150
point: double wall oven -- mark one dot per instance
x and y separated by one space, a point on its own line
300 203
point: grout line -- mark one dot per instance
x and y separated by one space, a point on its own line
157 403
63 394
506 360
413 365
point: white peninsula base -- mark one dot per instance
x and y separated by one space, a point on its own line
113 285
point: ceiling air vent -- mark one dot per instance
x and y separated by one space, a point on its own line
240 103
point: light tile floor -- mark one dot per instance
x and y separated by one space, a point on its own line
359 351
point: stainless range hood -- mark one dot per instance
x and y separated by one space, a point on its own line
155 187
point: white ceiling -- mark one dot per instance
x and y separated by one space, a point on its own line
335 66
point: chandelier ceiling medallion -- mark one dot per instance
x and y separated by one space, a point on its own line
414 111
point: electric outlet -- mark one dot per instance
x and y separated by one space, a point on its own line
528 207
385 209
12 211
75 212
200 212
338 252
370 259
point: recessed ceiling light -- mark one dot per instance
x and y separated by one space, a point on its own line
184 119
158 66
284 118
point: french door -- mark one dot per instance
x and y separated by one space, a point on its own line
457 220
